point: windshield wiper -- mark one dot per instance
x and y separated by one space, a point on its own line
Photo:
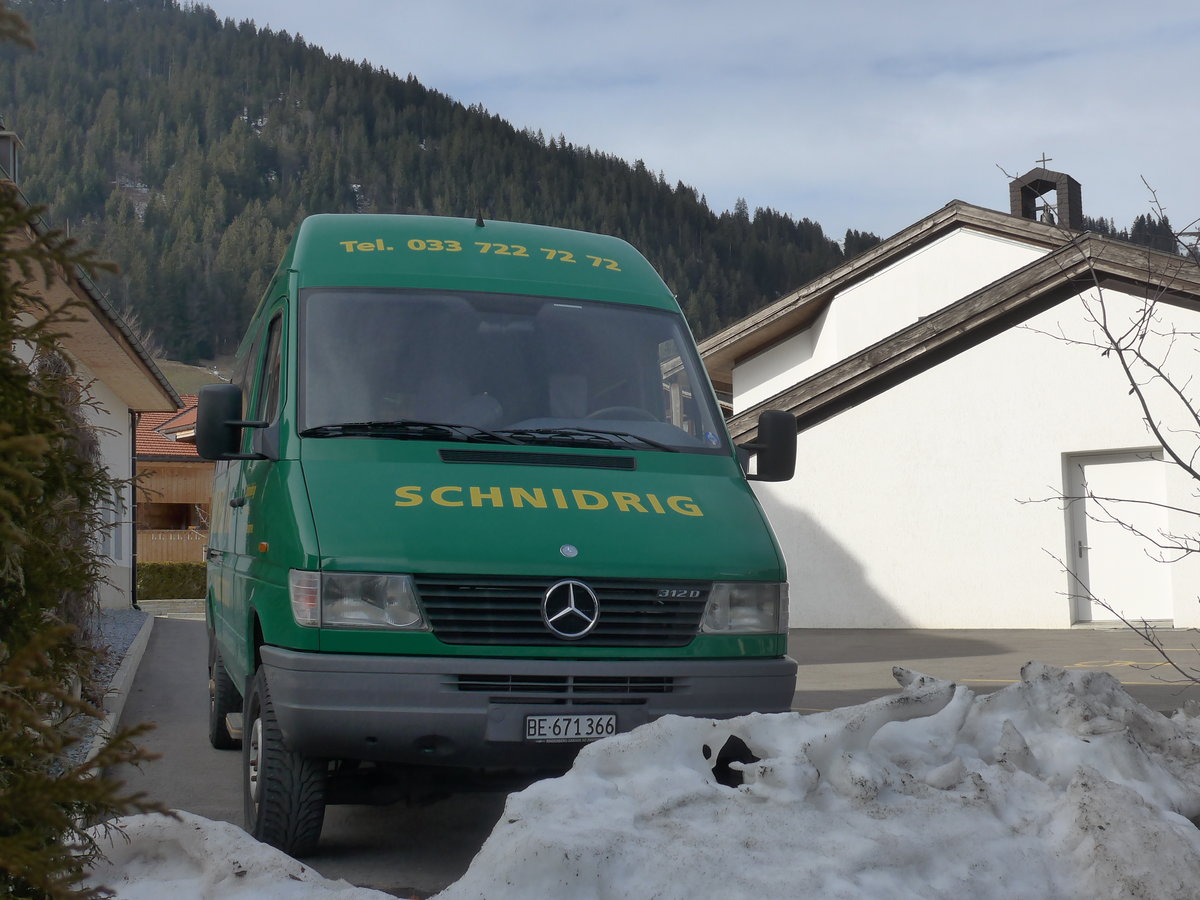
408 429
575 435
411 429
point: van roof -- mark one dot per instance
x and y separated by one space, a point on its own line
466 254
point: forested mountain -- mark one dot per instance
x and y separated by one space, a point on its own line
186 149
1148 231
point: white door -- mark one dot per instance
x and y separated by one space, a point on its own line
1108 554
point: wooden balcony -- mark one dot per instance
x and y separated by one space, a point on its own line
171 546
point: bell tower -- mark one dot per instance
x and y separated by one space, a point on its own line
1028 198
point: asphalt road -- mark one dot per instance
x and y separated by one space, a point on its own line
406 851
413 852
842 667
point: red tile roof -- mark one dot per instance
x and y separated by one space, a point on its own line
154 431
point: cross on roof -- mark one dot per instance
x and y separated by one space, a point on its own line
1045 159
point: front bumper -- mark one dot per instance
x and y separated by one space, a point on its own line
471 712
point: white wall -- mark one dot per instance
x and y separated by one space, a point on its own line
112 424
113 433
905 510
894 298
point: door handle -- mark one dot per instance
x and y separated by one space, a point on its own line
237 502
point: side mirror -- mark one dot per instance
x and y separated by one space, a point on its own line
219 423
775 447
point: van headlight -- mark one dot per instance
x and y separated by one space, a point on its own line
746 607
356 600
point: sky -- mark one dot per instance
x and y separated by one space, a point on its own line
1058 786
866 114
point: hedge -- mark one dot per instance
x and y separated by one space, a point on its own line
171 581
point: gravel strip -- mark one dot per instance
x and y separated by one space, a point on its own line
115 630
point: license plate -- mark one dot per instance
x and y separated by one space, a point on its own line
569 728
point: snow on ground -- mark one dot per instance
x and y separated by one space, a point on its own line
191 857
1059 786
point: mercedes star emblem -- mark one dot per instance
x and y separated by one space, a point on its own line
570 609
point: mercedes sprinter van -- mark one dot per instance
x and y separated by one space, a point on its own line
474 505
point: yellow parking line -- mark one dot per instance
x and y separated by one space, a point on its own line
1143 666
1166 649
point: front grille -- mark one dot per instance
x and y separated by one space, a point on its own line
501 610
566 685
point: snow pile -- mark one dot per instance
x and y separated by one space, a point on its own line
1060 786
191 857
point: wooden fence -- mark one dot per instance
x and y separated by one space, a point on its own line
171 546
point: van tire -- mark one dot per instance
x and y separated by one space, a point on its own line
284 791
223 699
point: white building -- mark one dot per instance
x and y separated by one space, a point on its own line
936 395
121 378
124 381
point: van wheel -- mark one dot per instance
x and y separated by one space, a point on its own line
284 791
223 699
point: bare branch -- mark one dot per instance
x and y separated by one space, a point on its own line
1146 348
1145 630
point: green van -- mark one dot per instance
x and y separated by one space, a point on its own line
474 506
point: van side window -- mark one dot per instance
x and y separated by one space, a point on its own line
267 402
243 368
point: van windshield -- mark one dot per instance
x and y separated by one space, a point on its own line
499 367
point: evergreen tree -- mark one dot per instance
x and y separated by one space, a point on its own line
1154 232
53 489
858 241
169 139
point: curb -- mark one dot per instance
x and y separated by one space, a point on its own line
118 690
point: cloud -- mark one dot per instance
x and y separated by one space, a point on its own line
866 115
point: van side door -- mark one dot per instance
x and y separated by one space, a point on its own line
263 397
